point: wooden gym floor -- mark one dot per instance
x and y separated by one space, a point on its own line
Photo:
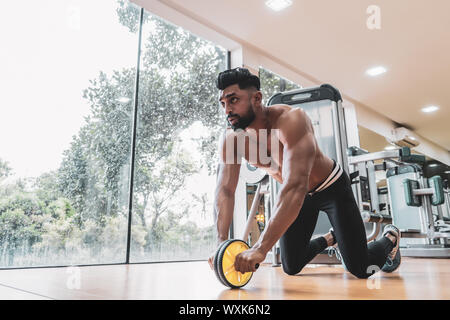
416 279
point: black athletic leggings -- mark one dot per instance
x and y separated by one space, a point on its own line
337 200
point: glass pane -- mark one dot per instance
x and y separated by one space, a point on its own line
272 83
179 124
67 78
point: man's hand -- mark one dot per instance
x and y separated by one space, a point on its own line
247 260
211 256
211 260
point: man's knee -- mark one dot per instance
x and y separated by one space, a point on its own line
291 269
360 275
359 271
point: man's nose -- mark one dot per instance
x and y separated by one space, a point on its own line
228 109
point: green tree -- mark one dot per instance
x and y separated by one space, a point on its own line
271 83
176 89
46 187
5 170
18 232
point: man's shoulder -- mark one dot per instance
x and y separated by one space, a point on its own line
292 125
280 109
290 116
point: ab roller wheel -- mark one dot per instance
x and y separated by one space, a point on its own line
224 264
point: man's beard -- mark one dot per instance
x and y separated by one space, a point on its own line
242 122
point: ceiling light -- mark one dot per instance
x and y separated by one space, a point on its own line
278 5
430 109
376 71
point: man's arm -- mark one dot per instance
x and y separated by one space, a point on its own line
299 152
224 198
227 180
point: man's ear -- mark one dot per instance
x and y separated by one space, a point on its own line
258 97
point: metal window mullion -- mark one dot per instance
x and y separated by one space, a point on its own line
133 137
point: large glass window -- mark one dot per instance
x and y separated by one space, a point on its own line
179 124
68 85
67 79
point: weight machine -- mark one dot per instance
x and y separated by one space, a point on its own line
411 199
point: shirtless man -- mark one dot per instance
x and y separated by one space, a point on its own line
310 181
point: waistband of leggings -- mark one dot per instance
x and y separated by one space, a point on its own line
332 177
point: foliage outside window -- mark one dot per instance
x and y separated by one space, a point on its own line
81 86
272 83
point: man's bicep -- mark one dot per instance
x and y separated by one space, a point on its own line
229 164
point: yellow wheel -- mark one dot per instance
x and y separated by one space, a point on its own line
225 264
